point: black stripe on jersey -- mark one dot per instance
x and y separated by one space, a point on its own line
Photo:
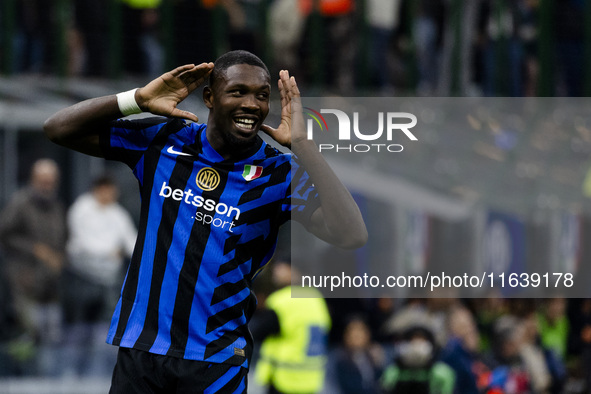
170 208
297 176
189 274
218 372
231 242
227 290
236 360
270 151
254 244
298 199
152 155
248 306
226 315
228 339
233 383
277 177
248 250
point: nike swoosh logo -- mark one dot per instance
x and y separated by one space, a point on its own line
174 152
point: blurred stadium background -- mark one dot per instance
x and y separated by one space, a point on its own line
532 180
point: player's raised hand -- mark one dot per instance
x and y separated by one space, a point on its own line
291 129
162 95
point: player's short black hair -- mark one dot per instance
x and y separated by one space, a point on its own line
232 58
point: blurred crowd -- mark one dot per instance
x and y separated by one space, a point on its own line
425 47
442 345
62 268
61 271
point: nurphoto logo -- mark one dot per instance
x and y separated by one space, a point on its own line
392 124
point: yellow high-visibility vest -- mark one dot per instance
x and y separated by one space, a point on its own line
294 360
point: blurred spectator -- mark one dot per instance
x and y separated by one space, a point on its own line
508 371
339 39
340 310
383 17
569 19
416 369
245 21
529 35
286 27
32 36
428 40
432 312
533 355
378 313
413 310
455 74
12 340
294 335
102 237
358 362
439 307
461 352
486 312
580 338
554 326
503 58
33 236
90 27
193 31
142 49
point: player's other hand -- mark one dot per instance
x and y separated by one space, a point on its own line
162 95
291 129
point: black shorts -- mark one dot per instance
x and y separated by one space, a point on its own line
142 372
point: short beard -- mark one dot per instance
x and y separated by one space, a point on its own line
232 141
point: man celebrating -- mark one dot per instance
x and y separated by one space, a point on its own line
213 198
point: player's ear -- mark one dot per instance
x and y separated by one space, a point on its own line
208 97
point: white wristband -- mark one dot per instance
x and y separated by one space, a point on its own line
127 103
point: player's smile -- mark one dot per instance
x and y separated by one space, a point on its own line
239 103
245 122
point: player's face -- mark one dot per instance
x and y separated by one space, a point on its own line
238 103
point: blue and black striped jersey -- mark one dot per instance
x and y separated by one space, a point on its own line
207 225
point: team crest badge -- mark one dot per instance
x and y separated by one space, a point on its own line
252 172
208 179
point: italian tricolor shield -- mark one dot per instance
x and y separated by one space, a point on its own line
252 172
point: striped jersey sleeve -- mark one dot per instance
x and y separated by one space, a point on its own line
127 140
303 198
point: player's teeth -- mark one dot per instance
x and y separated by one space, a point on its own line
245 123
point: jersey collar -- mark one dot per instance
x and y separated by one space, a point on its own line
214 156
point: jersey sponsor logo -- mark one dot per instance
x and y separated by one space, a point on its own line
208 179
174 152
209 212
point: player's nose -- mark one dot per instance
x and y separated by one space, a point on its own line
250 102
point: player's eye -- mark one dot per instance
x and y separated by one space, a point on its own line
236 92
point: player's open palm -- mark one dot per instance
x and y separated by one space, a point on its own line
291 129
162 95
